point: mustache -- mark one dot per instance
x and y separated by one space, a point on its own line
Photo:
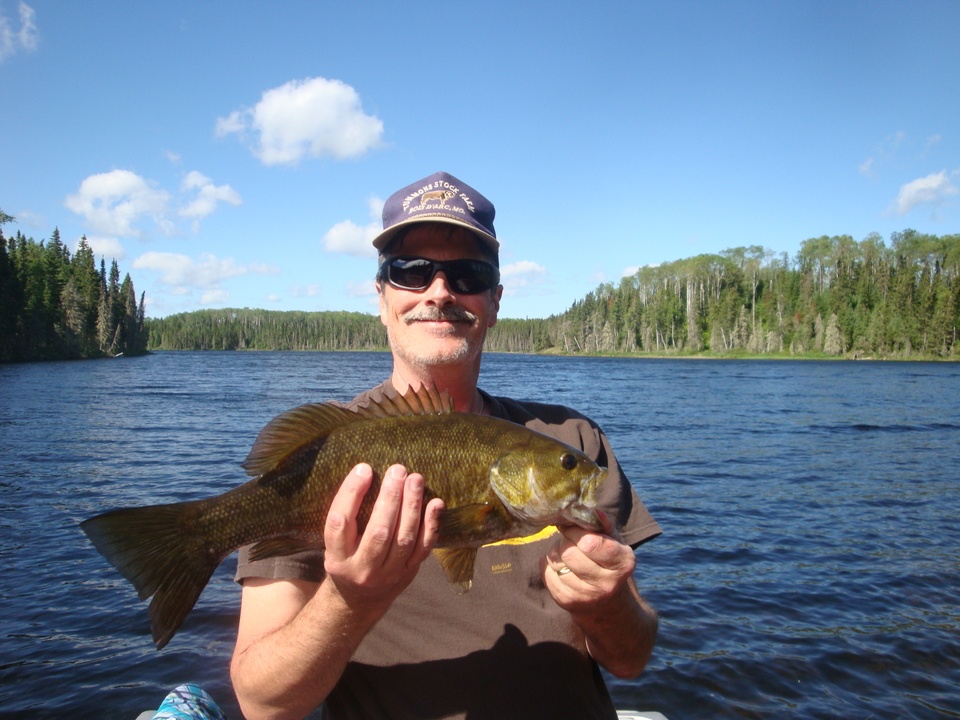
434 314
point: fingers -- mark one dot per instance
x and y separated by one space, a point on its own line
585 567
340 530
399 533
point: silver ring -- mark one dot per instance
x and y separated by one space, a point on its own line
563 571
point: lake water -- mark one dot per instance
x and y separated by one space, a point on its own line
809 566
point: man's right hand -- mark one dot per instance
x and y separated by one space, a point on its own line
371 568
295 637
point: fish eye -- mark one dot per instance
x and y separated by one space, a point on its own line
568 461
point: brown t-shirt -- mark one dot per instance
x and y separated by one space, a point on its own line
504 649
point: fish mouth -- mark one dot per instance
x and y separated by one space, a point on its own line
583 511
583 516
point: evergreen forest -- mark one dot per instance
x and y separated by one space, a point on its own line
55 306
837 297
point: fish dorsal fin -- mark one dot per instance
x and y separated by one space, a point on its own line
423 401
292 429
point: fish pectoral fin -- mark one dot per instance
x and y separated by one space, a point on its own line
471 522
458 564
273 547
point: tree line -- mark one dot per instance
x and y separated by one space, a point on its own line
54 305
836 297
254 329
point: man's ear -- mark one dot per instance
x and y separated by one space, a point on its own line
494 306
383 302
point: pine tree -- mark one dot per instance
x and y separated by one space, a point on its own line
833 342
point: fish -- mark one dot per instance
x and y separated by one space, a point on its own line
498 480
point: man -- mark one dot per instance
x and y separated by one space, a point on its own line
370 626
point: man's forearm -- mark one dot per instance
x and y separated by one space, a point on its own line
290 671
621 632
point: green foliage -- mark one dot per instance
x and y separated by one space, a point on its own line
54 306
836 298
247 329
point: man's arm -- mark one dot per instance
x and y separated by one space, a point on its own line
598 591
295 638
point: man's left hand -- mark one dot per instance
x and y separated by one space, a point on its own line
585 568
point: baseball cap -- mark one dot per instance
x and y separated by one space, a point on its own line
438 198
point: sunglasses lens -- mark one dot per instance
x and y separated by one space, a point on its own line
467 277
470 276
414 273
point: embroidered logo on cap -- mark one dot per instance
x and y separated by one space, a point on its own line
434 198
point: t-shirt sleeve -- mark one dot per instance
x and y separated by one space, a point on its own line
304 565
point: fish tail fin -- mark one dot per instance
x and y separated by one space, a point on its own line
157 550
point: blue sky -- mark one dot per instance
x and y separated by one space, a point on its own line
237 154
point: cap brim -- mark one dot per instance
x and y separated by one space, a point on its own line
383 239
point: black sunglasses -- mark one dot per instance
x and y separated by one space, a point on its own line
466 277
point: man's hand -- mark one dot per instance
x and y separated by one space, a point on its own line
590 575
295 638
585 568
371 568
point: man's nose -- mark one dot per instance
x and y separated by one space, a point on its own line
439 291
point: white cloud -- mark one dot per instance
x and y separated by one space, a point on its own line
13 40
213 297
113 202
352 239
116 203
932 189
181 270
182 275
367 288
308 291
632 270
263 269
932 141
521 275
883 152
207 196
314 117
108 248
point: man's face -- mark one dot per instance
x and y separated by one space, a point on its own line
436 326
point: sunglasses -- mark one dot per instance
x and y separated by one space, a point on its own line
466 277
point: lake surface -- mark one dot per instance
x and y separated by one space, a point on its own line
809 566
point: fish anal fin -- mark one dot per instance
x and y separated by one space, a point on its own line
457 564
472 524
291 430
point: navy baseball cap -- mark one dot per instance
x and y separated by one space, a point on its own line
438 198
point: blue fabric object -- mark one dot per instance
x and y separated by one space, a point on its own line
189 702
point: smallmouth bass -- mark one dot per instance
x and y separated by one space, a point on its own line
497 479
